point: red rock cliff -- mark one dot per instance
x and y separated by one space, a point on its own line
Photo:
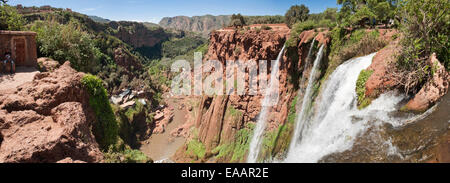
48 120
221 117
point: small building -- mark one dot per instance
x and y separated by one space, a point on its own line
21 45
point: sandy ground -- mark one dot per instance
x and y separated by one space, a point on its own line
163 146
9 82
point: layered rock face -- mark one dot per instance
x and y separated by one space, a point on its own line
213 126
137 35
125 59
202 24
221 117
48 120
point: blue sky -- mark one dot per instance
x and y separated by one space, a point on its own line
154 10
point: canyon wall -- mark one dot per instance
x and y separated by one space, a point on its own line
202 24
225 124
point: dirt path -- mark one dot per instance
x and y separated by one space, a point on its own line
10 82
163 146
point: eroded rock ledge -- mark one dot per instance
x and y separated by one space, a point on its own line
48 120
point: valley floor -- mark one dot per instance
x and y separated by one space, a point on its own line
163 146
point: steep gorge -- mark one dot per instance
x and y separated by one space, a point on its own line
225 126
226 123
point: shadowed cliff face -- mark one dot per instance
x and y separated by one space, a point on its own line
137 35
202 24
222 118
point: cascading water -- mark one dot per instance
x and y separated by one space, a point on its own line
337 121
255 143
302 117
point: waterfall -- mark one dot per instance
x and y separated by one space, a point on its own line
302 117
337 121
255 143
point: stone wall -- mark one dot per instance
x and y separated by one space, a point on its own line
22 46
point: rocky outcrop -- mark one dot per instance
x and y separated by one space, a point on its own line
124 58
137 34
233 45
433 90
382 78
221 117
162 119
48 120
47 64
201 24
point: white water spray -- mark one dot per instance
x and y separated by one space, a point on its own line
338 122
302 117
256 141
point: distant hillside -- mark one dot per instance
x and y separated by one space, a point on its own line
207 23
99 19
201 24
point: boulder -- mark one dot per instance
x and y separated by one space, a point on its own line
47 64
48 120
128 104
381 79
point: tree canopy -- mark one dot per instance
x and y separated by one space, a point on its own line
296 14
361 12
10 19
237 20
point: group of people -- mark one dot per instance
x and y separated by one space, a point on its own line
8 62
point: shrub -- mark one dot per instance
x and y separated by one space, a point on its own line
265 27
196 148
67 42
425 29
236 150
297 29
237 20
126 156
10 19
359 43
106 127
363 101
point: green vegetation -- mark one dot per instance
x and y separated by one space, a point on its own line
276 19
297 29
327 19
67 42
10 19
349 44
276 142
126 156
237 20
296 14
196 148
106 128
131 112
236 150
425 31
363 101
181 46
361 12
265 27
